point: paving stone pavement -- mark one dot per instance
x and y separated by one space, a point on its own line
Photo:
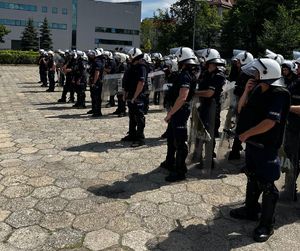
67 183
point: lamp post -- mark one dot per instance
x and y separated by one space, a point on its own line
195 15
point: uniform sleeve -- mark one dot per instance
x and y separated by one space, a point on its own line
216 83
185 81
98 65
277 106
142 74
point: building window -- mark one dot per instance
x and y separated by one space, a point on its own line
54 10
16 6
112 42
64 11
117 31
44 9
13 22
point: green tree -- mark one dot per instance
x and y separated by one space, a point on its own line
29 38
148 31
208 26
3 32
281 34
148 46
45 36
244 23
166 26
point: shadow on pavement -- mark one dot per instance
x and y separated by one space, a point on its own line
220 233
105 146
135 183
81 116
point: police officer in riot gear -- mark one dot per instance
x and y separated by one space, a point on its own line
292 132
121 68
79 79
110 67
180 94
70 58
43 68
134 87
51 67
263 108
210 88
96 81
242 59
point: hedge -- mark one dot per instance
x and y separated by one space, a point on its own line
18 57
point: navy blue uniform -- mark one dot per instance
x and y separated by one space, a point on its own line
263 165
68 86
177 127
212 81
43 70
96 89
51 74
133 76
79 77
292 133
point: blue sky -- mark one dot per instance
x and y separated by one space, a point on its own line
149 6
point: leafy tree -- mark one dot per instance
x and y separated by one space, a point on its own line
244 24
165 25
29 38
45 36
148 46
3 32
148 31
282 34
208 26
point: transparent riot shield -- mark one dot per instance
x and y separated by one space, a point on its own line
112 84
157 83
228 111
287 182
201 137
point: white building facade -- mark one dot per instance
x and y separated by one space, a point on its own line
76 24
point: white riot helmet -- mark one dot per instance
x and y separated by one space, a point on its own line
51 53
108 54
186 55
41 51
120 57
212 56
278 57
100 49
135 53
297 61
98 52
147 58
73 54
268 69
292 66
244 57
172 63
80 53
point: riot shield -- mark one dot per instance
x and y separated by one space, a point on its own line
157 83
287 182
201 138
112 84
228 110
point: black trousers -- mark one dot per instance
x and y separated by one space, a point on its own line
43 76
136 119
80 91
121 103
68 87
262 169
177 138
96 92
51 76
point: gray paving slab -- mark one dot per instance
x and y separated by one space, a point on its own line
68 183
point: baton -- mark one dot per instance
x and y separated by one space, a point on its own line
250 142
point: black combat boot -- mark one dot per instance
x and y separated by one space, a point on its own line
252 208
266 225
